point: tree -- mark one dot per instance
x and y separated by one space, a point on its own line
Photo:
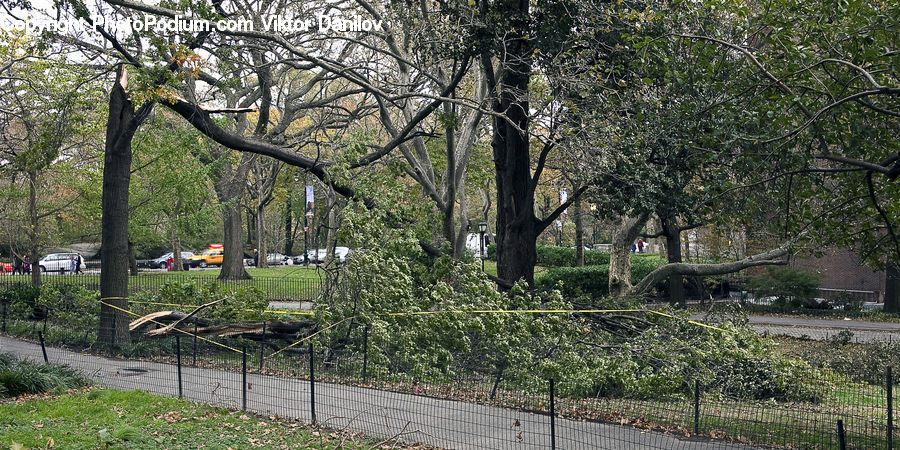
46 132
124 120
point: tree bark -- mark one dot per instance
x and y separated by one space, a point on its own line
33 243
579 233
892 288
673 251
233 254
121 125
132 260
261 235
516 222
661 273
176 250
288 224
620 254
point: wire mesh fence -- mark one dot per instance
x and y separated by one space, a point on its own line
462 408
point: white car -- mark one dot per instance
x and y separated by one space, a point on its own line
59 262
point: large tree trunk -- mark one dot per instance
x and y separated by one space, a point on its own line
132 260
516 222
673 251
288 225
620 254
229 183
892 289
176 250
121 125
233 257
261 235
34 247
579 233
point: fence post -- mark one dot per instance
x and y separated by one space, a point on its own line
842 442
365 352
889 387
261 346
4 301
696 407
244 378
312 384
552 415
194 362
43 348
178 359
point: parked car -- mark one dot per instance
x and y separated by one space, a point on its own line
276 259
212 256
160 263
318 256
58 262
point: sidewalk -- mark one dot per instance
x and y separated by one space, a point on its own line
379 414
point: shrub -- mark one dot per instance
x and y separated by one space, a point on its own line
575 282
25 377
792 288
593 281
553 256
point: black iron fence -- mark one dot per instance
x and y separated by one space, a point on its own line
466 408
288 288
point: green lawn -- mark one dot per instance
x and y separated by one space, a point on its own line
111 419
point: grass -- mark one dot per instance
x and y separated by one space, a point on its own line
102 418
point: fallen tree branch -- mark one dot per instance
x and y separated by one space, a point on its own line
663 272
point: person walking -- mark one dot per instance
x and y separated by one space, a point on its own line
78 262
17 265
27 264
640 245
255 258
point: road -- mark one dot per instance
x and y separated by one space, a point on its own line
415 418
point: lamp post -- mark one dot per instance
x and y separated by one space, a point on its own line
482 228
305 224
559 227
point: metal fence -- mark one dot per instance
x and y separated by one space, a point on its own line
468 409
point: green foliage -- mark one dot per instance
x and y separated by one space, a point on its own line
25 377
423 326
73 306
593 281
792 287
236 303
553 256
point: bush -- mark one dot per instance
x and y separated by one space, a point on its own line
25 377
593 281
553 256
576 282
792 288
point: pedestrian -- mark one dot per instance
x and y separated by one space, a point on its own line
17 265
72 264
27 264
78 262
170 263
633 247
255 258
640 246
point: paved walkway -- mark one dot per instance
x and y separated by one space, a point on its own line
413 418
821 329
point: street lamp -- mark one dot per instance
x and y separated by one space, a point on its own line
482 228
305 224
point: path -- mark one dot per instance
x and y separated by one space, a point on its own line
822 329
441 423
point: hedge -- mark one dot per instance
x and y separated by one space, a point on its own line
553 256
593 280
